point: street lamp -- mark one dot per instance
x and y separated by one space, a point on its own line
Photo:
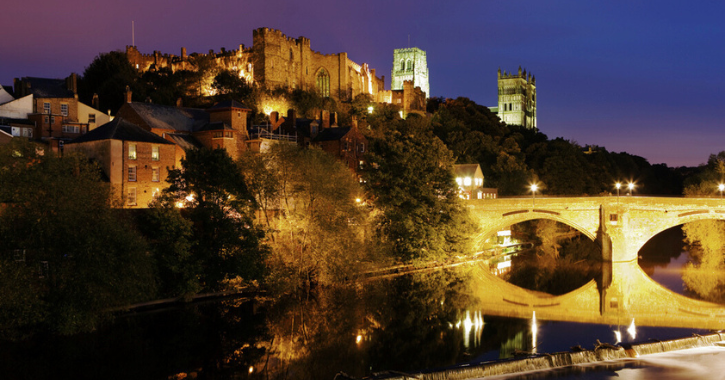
534 187
721 187
630 186
618 185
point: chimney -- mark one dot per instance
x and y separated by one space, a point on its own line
292 117
95 103
128 94
71 83
325 119
183 54
353 122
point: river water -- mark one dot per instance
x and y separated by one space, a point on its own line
407 324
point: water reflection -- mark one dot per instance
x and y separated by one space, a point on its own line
403 324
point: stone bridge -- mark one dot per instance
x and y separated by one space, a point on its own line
621 226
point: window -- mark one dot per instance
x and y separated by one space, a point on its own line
52 120
313 130
131 196
71 129
45 120
155 174
361 148
15 131
156 192
345 146
323 83
46 108
131 151
155 153
64 109
218 134
132 174
27 132
91 117
228 134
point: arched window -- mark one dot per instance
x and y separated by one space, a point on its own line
402 65
323 83
408 65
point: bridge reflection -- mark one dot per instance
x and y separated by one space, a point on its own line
631 296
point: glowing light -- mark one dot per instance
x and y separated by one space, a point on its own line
474 325
358 339
534 187
632 330
617 336
618 185
190 198
251 369
358 200
179 204
370 109
534 332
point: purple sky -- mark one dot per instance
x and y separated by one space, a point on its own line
634 76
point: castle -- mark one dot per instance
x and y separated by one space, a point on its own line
517 98
277 61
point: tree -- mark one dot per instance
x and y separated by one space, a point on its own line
410 181
214 194
74 256
108 75
703 274
229 86
317 233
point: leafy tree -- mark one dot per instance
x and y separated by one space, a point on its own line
705 181
317 235
211 188
108 75
81 257
703 275
229 86
410 180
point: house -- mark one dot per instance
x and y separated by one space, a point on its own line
222 126
469 179
135 160
58 115
10 128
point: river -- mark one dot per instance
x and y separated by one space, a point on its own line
410 323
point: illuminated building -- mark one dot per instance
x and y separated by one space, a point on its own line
517 98
410 64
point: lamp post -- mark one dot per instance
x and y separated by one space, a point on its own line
618 185
534 187
720 188
630 186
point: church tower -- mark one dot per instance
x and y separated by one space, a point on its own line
517 98
410 64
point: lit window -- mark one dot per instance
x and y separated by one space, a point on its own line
132 174
131 151
459 181
155 174
467 181
218 134
323 83
131 196
155 153
46 108
64 109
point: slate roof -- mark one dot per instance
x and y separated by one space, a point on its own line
168 117
8 89
186 142
465 170
48 88
10 120
229 104
331 134
215 126
120 129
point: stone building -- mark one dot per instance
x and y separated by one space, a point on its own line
410 64
517 98
276 61
135 161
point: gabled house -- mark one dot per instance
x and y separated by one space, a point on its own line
222 126
135 160
469 179
345 143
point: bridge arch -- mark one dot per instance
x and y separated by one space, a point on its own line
680 219
515 217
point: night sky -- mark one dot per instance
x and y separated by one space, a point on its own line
634 76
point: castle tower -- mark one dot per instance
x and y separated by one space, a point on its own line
517 98
410 64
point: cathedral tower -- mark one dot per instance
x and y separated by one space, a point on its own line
517 98
410 64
